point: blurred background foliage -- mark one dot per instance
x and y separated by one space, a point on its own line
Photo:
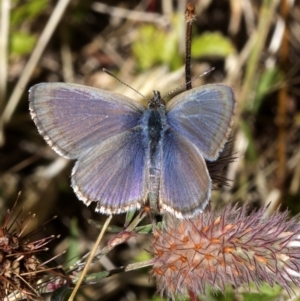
254 47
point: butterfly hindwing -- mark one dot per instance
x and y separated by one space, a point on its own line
185 182
112 173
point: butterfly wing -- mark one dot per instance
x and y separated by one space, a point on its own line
112 173
72 118
185 182
203 115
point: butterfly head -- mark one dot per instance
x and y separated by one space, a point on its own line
156 102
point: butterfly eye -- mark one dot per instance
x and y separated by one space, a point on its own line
156 102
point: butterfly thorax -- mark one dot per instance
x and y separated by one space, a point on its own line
154 121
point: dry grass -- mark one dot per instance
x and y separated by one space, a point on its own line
263 70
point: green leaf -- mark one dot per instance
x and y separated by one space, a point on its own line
21 43
96 277
251 150
27 11
109 229
73 251
129 216
155 46
266 293
143 256
213 295
146 51
266 83
146 229
211 44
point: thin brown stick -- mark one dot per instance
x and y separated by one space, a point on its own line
190 16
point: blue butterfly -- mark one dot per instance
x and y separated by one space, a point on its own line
129 155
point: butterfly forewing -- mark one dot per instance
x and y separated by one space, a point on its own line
204 116
113 173
73 118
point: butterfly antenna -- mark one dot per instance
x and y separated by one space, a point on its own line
111 74
184 85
